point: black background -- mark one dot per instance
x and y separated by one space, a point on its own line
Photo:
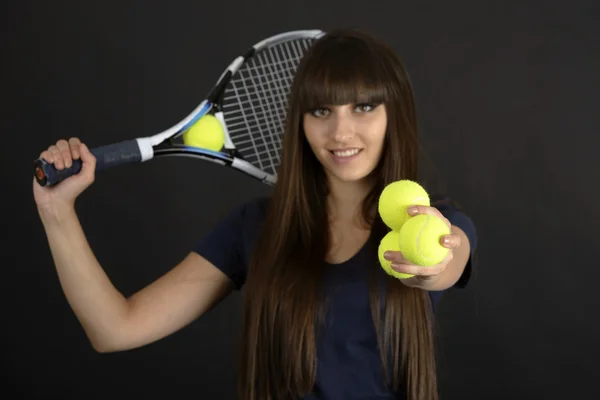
507 95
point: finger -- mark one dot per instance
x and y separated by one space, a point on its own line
414 210
450 241
56 157
85 153
65 152
394 256
46 155
418 209
417 270
88 159
74 144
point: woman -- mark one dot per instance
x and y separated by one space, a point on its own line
321 318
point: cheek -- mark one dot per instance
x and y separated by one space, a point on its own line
313 133
377 135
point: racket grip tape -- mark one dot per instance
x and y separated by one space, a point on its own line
109 156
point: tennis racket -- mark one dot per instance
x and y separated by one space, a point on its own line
249 100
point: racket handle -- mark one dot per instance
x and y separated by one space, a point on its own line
112 155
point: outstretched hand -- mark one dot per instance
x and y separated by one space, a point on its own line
425 276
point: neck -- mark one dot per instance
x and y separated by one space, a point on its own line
345 199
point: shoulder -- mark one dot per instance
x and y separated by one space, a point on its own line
229 244
255 208
246 218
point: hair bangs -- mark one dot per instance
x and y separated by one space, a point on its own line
347 72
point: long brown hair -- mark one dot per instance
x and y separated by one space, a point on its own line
283 299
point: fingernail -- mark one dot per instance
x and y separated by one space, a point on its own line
446 240
387 255
412 210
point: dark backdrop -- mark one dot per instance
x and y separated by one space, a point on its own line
508 104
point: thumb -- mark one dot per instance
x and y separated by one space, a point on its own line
88 160
87 157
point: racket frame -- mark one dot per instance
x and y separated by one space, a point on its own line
162 143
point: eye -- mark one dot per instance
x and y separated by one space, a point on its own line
319 112
365 107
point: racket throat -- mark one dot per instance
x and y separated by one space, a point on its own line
228 144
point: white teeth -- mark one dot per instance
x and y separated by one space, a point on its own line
346 153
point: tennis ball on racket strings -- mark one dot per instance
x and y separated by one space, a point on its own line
395 200
206 133
390 242
419 240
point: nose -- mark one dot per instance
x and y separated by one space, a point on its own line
342 129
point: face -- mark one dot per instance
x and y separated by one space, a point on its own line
347 139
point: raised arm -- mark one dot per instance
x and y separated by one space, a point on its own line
111 321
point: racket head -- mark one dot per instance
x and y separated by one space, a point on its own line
250 99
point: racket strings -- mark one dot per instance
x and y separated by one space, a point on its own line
281 76
256 101
264 106
241 128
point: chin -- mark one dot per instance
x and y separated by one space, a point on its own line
349 176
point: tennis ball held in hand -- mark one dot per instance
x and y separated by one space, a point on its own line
390 242
395 200
419 240
206 133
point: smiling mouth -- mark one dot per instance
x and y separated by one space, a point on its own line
345 153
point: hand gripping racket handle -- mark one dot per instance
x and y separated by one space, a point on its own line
112 155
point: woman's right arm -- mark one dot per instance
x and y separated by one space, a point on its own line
111 321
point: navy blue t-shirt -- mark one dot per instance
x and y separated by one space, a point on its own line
349 364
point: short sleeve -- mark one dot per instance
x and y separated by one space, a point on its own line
459 218
228 245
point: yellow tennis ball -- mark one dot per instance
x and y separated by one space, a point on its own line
419 240
206 133
396 198
390 242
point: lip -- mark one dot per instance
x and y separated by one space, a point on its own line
342 160
345 149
